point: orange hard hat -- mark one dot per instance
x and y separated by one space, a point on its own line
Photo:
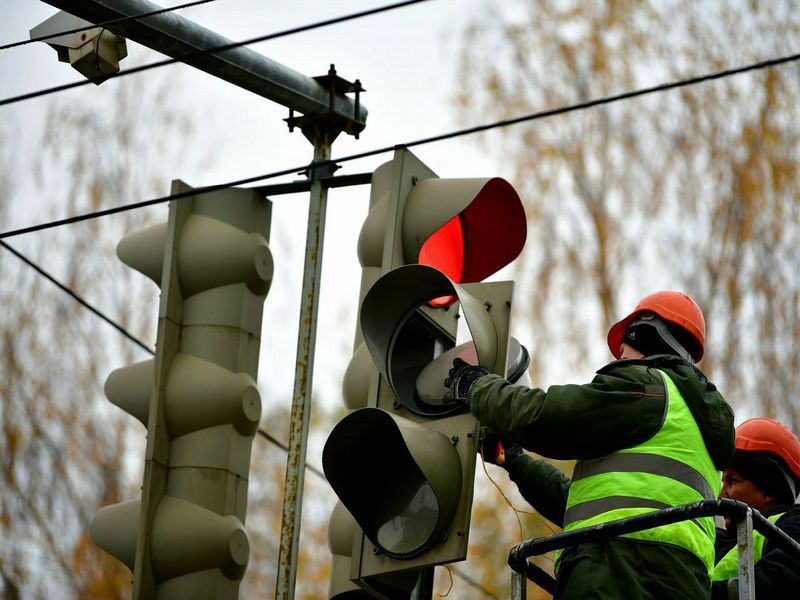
676 308
767 436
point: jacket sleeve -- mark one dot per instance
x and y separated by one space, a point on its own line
542 485
620 408
777 573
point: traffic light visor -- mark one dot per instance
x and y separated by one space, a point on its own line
399 480
402 342
486 231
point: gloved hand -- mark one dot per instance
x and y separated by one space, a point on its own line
460 379
498 452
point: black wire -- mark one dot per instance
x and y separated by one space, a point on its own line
144 203
285 448
436 138
77 298
123 331
104 24
214 50
97 54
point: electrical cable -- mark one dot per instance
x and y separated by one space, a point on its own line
77 298
283 446
144 203
214 50
125 332
473 583
449 589
104 24
428 140
517 511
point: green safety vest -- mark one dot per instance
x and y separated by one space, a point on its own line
728 565
671 468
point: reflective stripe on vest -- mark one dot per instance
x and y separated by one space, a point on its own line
728 565
671 468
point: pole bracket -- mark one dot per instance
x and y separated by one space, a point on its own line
328 124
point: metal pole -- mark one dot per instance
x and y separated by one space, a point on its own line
175 36
519 586
746 520
744 543
301 400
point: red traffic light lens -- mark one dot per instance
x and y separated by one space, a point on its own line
444 251
480 240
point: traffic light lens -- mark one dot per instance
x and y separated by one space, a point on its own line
400 339
444 251
400 481
412 526
414 346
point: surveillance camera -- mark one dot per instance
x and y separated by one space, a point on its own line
95 52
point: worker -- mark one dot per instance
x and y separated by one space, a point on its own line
649 432
765 474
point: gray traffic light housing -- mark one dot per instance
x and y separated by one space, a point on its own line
403 462
185 537
404 468
402 341
414 477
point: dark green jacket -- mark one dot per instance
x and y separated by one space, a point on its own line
624 405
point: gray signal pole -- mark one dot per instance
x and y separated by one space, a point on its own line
326 110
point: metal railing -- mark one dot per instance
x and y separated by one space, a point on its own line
745 517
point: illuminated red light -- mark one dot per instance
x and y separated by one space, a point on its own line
487 235
444 251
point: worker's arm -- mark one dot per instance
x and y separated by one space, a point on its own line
542 485
621 407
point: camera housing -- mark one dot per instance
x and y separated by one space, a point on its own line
95 53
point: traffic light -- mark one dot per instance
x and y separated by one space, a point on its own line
403 461
185 537
341 532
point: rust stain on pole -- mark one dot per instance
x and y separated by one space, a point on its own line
301 400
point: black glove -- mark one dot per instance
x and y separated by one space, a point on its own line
460 379
499 452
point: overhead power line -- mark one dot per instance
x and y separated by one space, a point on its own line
145 203
104 24
124 331
285 448
428 140
77 298
215 50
